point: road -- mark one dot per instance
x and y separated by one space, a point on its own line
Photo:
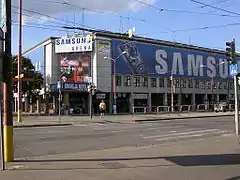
30 142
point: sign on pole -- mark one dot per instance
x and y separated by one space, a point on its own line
233 68
58 85
3 14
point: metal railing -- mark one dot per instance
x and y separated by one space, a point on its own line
231 107
161 109
202 107
141 108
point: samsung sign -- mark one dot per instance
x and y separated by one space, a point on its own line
80 43
162 61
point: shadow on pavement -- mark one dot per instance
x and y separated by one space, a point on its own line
99 167
205 160
193 160
234 178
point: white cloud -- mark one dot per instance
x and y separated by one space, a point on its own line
55 7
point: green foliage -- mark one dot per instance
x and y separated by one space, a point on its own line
28 71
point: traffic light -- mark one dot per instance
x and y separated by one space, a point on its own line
231 53
91 89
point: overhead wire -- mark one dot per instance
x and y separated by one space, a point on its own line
214 3
40 27
58 28
199 28
158 10
93 10
170 30
215 7
35 25
52 17
41 19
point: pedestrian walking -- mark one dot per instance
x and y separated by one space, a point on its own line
102 108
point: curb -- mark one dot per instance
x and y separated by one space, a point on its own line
24 115
42 125
145 120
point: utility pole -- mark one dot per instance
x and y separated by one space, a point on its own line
7 87
20 63
114 80
91 90
231 53
212 105
172 91
59 101
114 88
236 106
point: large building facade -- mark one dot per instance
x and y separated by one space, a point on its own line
143 71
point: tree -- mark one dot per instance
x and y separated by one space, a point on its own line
29 72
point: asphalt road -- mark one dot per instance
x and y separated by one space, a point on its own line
31 142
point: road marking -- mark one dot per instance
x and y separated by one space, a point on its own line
184 136
189 136
42 132
181 133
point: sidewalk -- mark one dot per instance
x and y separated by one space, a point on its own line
210 159
38 121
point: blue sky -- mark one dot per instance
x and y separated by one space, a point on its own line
153 24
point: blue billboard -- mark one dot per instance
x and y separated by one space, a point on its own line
137 58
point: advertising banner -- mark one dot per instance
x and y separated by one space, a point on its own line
155 60
81 43
104 47
3 14
75 68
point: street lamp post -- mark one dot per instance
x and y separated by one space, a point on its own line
171 79
60 93
114 81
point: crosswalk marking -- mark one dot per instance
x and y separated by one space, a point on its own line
180 133
189 136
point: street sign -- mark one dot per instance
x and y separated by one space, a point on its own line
58 85
3 13
233 68
89 79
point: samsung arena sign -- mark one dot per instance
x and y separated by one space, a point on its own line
80 43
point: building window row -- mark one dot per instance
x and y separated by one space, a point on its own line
139 81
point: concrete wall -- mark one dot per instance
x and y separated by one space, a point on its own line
48 64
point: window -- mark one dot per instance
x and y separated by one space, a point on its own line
208 84
168 83
220 85
161 82
197 83
202 84
230 84
119 80
137 81
215 84
225 85
184 83
145 82
176 83
127 80
190 83
153 82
